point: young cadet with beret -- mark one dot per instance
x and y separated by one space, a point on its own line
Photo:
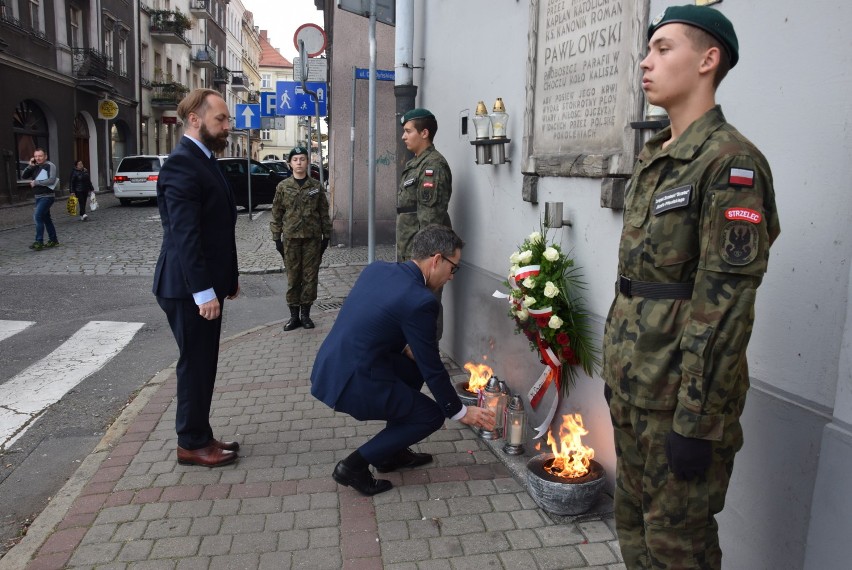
699 219
301 227
426 184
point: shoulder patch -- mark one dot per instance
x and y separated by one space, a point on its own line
740 243
741 177
429 172
744 214
428 185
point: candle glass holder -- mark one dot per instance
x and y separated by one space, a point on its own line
516 419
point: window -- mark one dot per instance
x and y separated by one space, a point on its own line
35 12
76 37
265 134
122 57
143 62
266 81
30 129
108 48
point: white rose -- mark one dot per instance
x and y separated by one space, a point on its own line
514 269
528 301
529 283
555 322
550 254
550 290
515 258
525 256
535 237
522 314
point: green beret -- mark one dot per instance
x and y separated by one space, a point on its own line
416 114
297 150
708 19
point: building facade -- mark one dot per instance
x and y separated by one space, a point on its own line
279 134
58 61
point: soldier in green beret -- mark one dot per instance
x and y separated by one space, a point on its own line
301 227
424 188
699 219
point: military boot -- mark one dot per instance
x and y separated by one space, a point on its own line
294 321
306 317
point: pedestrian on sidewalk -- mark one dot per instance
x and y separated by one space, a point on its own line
699 219
381 350
45 179
301 227
197 268
81 185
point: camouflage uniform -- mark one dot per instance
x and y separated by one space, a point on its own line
700 212
300 217
423 197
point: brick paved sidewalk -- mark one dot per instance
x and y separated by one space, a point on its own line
278 507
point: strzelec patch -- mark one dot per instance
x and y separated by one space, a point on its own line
740 243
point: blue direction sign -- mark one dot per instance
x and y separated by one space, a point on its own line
381 74
267 103
291 99
247 116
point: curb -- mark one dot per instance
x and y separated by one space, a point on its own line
57 507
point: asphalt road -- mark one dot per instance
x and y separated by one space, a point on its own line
102 272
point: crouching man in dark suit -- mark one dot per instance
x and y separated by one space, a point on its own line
197 268
381 350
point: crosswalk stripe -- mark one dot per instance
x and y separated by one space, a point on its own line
9 328
26 395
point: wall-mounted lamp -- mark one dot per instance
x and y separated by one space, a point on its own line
490 150
553 215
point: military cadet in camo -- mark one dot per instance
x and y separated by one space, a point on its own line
699 219
426 183
301 227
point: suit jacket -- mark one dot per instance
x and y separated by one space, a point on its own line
199 217
389 307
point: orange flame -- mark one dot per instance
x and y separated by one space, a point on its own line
479 376
571 458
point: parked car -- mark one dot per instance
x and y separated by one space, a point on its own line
279 166
264 180
315 172
136 177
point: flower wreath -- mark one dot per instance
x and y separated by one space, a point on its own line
546 306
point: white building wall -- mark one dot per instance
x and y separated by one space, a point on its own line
791 94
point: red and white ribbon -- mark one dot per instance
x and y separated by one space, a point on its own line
545 312
527 271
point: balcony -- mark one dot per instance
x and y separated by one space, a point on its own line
203 56
90 69
199 9
169 26
167 95
239 82
221 75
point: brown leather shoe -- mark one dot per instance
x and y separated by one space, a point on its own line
210 456
226 445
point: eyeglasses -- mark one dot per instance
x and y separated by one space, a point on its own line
456 266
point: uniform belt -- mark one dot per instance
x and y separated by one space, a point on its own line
653 290
406 210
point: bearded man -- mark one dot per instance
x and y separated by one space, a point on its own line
197 268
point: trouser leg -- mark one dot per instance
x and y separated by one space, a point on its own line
311 259
294 262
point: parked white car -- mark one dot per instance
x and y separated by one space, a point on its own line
136 177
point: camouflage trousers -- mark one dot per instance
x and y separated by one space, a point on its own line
302 258
663 522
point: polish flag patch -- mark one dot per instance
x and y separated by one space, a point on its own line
429 172
741 177
744 214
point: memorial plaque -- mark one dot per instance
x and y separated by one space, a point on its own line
584 86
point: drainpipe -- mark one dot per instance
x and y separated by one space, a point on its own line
404 89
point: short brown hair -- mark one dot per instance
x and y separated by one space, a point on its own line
195 102
430 123
703 41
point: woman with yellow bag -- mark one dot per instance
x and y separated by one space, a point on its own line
81 185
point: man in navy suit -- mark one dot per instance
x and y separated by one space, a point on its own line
381 350
197 268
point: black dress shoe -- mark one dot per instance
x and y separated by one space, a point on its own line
402 459
226 445
361 481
